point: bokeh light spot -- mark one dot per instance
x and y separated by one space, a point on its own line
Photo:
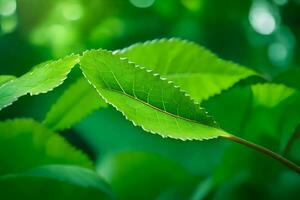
142 3
193 5
278 53
280 2
108 30
7 7
9 24
72 11
60 37
262 20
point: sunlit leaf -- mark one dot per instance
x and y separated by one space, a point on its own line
41 79
146 99
5 78
195 69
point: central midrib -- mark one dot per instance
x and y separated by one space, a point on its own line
156 108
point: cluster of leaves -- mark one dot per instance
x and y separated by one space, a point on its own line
162 86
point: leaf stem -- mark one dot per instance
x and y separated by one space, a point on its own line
265 151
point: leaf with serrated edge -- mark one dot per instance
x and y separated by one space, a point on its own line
147 99
41 79
195 69
77 102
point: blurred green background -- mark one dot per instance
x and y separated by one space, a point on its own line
260 34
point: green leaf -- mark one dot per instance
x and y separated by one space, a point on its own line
5 78
195 69
269 115
146 99
54 182
41 79
270 95
263 106
227 109
25 143
79 100
141 175
290 78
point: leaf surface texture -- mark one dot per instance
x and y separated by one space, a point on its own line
41 79
195 69
147 99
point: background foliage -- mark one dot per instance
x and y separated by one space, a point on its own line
262 35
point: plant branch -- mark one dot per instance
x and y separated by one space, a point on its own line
292 139
265 151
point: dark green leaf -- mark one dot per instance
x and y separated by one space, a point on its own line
25 143
54 182
140 175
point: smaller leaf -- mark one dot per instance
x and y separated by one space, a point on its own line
5 78
54 182
41 79
79 100
25 143
270 95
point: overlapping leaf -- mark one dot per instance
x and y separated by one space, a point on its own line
41 79
268 102
78 101
146 99
54 182
230 108
265 113
195 69
25 143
